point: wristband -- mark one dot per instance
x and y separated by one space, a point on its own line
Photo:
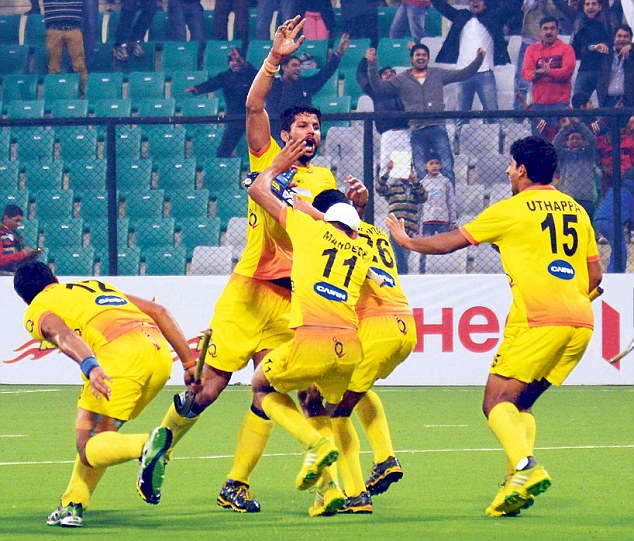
87 365
187 365
269 69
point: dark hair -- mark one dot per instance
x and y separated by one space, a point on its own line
416 47
545 20
537 156
625 27
288 116
384 69
31 278
287 59
433 156
580 99
11 211
326 199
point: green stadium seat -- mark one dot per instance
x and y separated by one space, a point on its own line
10 29
63 233
98 238
258 50
205 138
104 86
128 142
34 30
139 63
112 108
179 56
433 23
103 59
221 173
19 87
154 232
160 29
385 16
134 174
86 174
15 60
74 261
354 53
145 85
20 109
229 203
5 145
199 232
165 141
318 49
69 109
393 52
351 86
153 107
60 86
208 18
143 204
35 144
92 204
188 204
13 196
111 26
215 55
331 106
181 81
128 262
199 106
30 232
43 175
77 143
9 175
331 88
53 204
165 261
176 174
39 63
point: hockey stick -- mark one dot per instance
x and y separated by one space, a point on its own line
623 353
183 401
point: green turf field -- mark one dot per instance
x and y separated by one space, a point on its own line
452 464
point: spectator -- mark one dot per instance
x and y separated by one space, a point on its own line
404 197
616 82
13 250
533 13
549 65
128 38
360 20
320 18
394 132
409 20
35 8
290 89
240 10
605 219
569 10
266 8
591 38
604 147
576 147
235 83
438 213
421 90
63 21
473 29
91 30
186 13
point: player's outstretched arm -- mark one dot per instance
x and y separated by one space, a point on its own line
71 344
442 243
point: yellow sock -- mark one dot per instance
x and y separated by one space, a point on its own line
110 448
371 415
252 439
178 425
82 484
506 424
281 408
347 442
530 429
322 424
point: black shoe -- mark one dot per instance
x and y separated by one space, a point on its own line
235 495
137 50
121 52
383 475
361 504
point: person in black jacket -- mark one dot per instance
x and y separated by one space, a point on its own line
479 27
235 83
290 89
615 87
394 132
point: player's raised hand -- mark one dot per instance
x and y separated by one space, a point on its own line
98 379
357 192
285 41
397 229
287 157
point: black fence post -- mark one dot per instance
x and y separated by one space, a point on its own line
113 203
368 169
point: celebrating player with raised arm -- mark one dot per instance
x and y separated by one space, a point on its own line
550 256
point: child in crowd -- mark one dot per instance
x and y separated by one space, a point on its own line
438 214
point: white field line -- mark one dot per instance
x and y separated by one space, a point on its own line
25 391
400 451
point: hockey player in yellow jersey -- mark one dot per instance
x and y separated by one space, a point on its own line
251 317
548 250
122 345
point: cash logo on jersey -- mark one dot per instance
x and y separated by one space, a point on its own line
561 269
330 292
110 300
388 279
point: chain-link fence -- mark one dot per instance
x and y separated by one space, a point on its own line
148 195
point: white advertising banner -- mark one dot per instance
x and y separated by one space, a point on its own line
460 320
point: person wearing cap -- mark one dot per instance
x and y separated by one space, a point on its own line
235 83
13 250
330 264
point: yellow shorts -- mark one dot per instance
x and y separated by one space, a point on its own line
386 341
139 363
250 316
325 357
531 354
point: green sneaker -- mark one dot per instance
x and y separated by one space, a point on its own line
316 458
152 470
69 516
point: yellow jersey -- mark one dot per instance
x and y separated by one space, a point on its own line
268 252
96 311
329 269
545 240
378 300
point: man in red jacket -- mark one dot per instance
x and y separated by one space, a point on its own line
13 250
549 65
